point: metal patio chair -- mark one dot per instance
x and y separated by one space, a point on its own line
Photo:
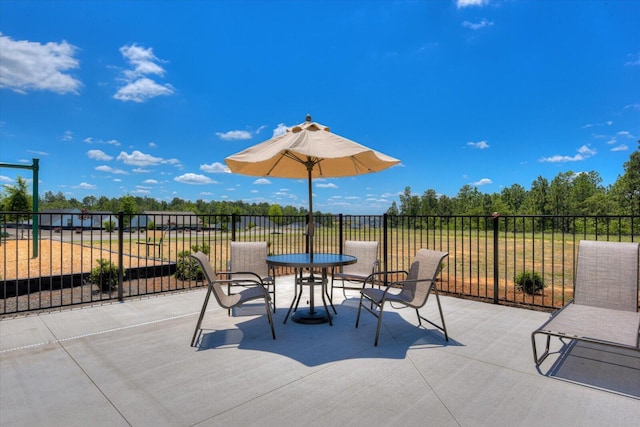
254 290
252 256
414 290
355 274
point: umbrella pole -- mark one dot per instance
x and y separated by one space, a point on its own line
310 225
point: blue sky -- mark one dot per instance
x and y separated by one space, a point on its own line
148 97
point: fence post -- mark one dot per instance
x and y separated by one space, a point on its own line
496 251
385 235
120 255
233 227
340 232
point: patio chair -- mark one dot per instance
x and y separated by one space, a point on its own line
252 256
367 254
254 292
412 292
605 305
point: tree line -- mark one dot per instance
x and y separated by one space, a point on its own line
568 193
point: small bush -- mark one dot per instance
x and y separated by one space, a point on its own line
151 225
529 282
204 248
187 268
109 226
105 275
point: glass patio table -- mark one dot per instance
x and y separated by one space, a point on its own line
300 262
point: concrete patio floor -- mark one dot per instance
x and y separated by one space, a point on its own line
131 364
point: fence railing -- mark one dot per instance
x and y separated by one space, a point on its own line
79 258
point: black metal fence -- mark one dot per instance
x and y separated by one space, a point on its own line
77 258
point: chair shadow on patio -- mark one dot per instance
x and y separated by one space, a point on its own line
314 345
615 370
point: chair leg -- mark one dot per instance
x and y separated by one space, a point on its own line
204 308
269 316
381 307
444 327
536 359
359 309
296 296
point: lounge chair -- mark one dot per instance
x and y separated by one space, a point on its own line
255 290
252 256
356 274
605 305
412 292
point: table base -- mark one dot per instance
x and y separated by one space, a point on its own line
305 316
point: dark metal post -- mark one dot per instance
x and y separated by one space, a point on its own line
233 227
385 237
35 223
120 255
496 264
340 232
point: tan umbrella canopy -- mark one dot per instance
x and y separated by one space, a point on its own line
308 150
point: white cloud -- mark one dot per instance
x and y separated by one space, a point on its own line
480 144
153 145
40 153
478 25
138 158
234 135
66 136
626 134
138 87
90 140
150 181
140 170
30 65
194 179
621 147
466 3
261 181
280 130
634 59
327 185
5 179
109 169
142 90
98 155
85 186
215 167
584 153
483 181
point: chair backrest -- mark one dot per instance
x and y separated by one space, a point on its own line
223 299
425 267
249 256
607 275
367 254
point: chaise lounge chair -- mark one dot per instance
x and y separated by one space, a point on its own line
605 305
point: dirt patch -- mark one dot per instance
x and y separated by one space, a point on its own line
57 258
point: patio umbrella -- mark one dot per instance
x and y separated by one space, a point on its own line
308 150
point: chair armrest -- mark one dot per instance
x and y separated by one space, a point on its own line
372 277
239 281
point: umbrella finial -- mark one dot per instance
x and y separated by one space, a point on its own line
308 119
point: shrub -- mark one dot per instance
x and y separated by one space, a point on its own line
151 225
204 248
529 282
105 275
187 268
109 226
